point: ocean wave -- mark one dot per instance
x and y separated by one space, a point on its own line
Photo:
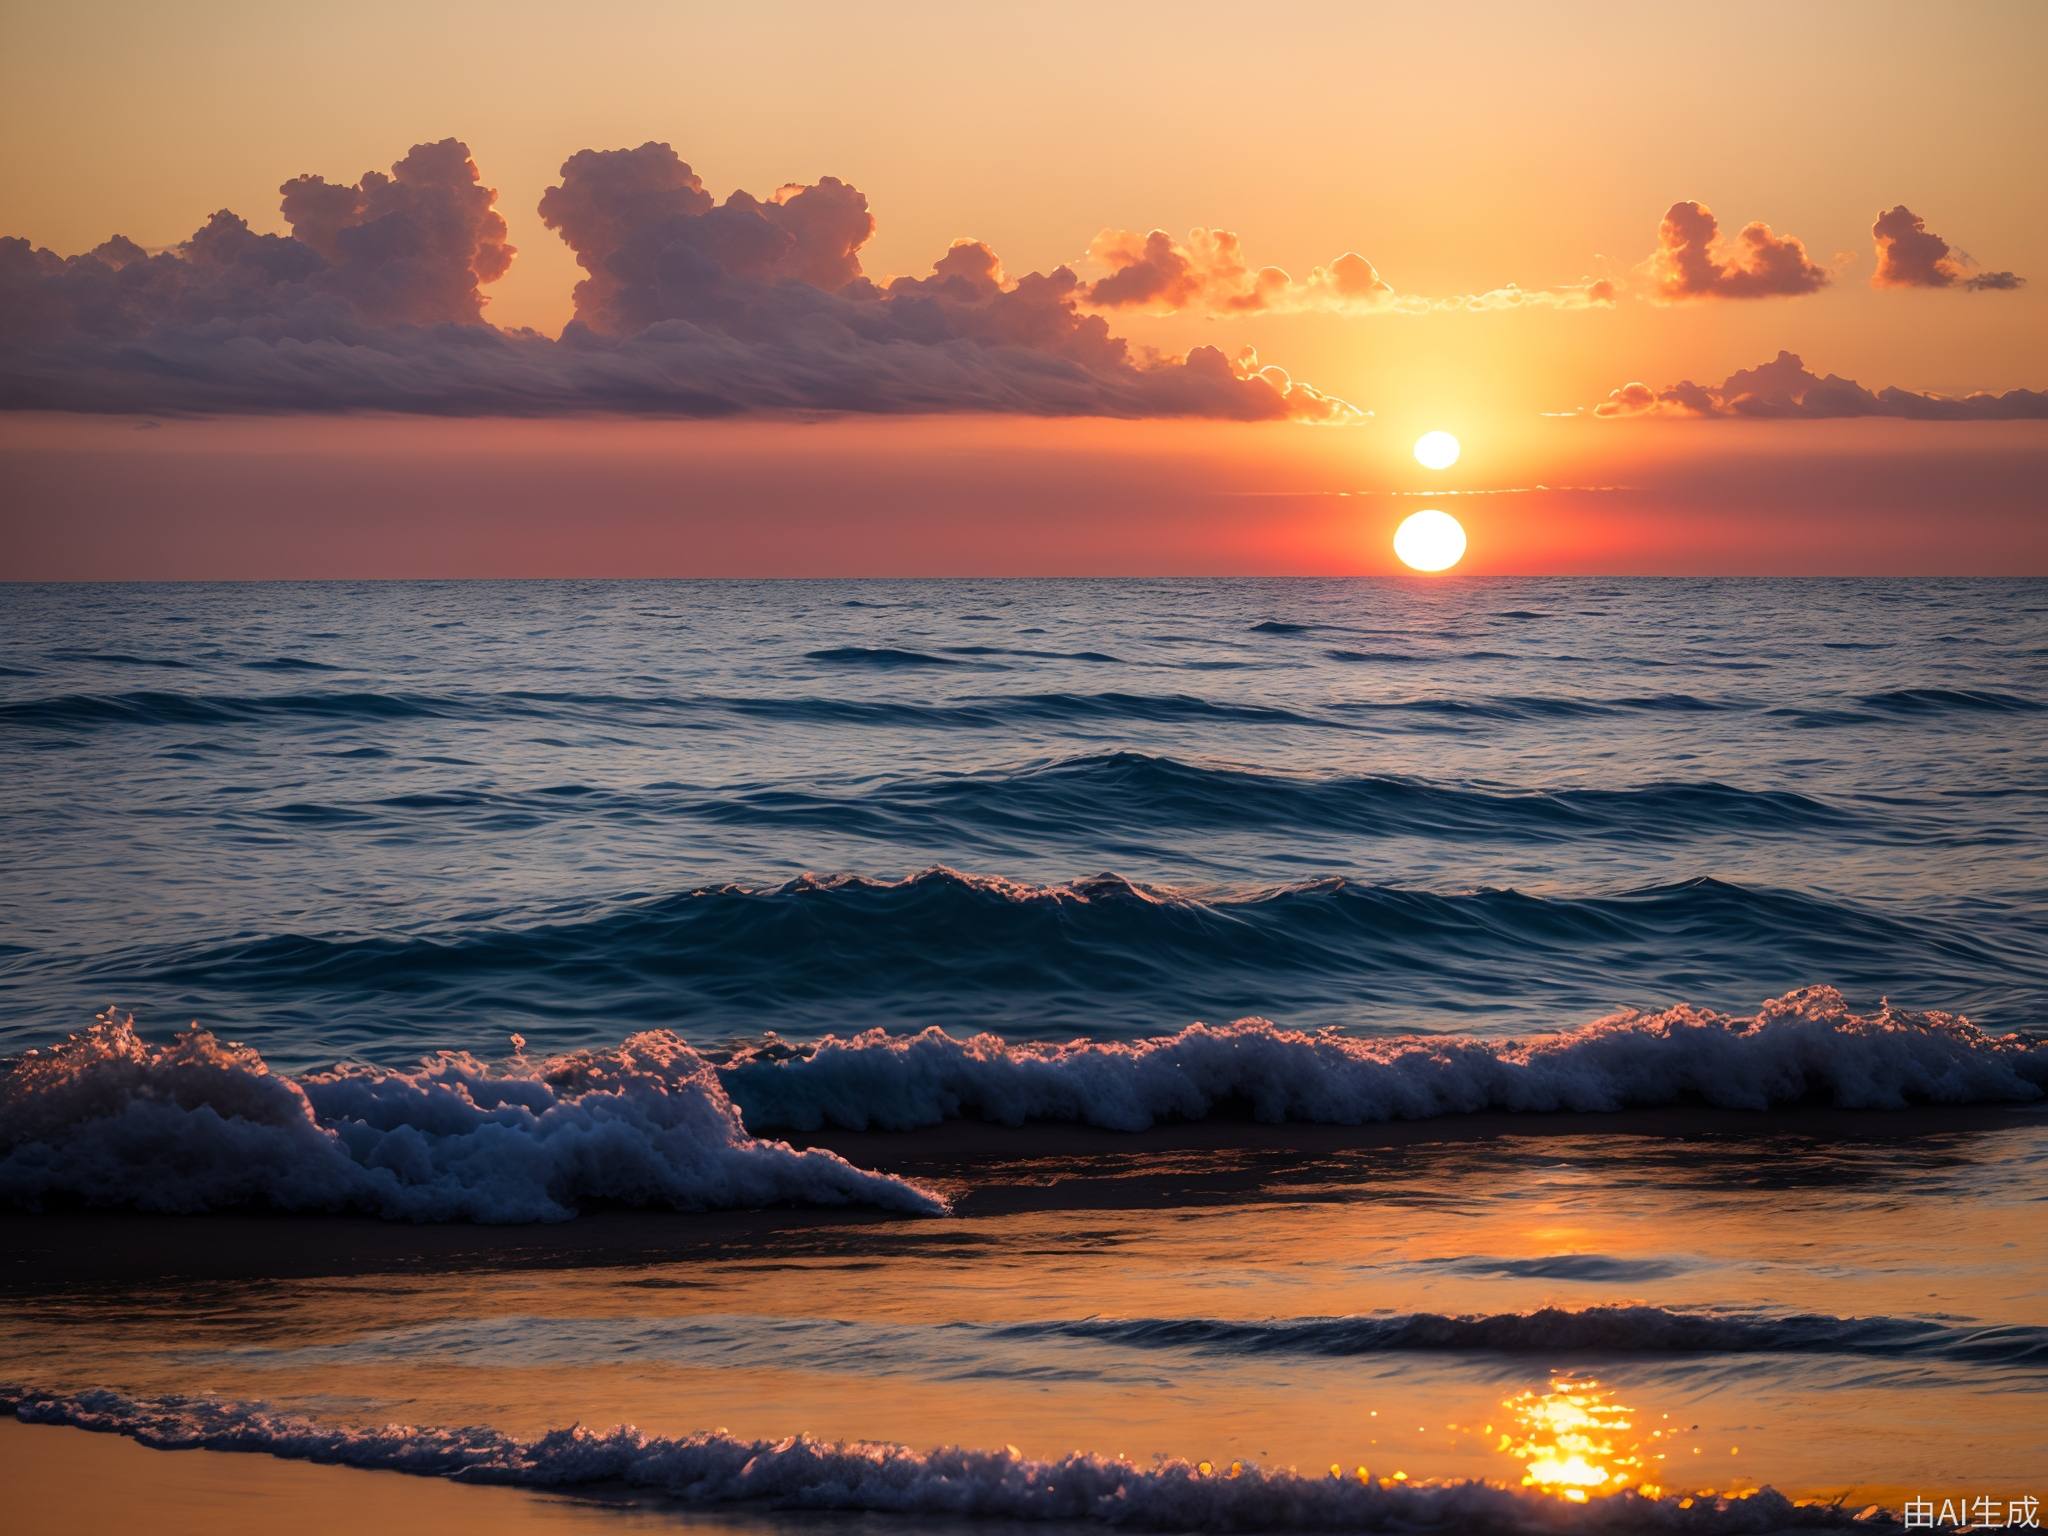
1087 1348
1549 1331
156 707
1125 790
1807 1047
940 944
1594 1268
804 1473
1158 708
290 664
89 710
108 1119
1929 703
1920 701
886 657
1035 655
1397 658
1117 794
1104 934
1517 707
122 659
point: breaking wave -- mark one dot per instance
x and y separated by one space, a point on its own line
803 1473
1807 1047
108 1119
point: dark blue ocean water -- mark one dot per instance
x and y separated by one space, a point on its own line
374 819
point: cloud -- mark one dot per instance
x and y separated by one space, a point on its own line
1692 262
410 248
1587 293
658 247
1910 255
689 307
1784 389
1208 274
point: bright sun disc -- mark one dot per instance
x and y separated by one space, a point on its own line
1429 541
1436 450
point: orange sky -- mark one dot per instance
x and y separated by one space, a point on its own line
978 495
1459 148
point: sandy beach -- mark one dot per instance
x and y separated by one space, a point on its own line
62 1482
849 1324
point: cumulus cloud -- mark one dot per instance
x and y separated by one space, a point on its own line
1910 255
1785 389
1207 274
410 248
689 306
658 247
1693 262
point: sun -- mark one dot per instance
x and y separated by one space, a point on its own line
1429 541
1436 450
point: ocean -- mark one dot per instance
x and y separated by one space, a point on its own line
1127 1030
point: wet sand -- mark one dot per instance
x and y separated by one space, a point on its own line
849 1324
70 1482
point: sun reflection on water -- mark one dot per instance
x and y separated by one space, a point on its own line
1576 1442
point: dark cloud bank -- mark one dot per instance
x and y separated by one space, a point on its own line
690 307
1785 389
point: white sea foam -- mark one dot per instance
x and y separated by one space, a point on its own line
198 1124
805 1473
109 1119
1803 1048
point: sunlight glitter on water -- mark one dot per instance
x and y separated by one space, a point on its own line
1576 1442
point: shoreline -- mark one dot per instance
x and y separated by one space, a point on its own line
989 1170
63 1480
84 1477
